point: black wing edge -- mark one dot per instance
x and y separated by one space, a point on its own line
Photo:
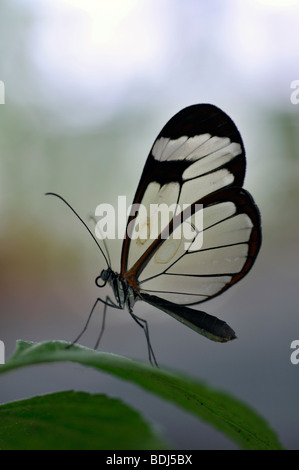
203 323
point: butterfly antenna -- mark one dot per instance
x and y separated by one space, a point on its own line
107 252
85 225
103 240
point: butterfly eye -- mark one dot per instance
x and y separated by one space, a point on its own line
104 276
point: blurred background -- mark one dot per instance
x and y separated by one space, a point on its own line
88 86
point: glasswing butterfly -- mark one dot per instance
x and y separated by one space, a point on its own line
197 162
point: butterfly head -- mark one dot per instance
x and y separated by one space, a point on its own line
105 276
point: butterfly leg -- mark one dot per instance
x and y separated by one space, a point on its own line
143 324
106 303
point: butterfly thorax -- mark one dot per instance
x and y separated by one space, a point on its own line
124 293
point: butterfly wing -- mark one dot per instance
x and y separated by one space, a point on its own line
197 163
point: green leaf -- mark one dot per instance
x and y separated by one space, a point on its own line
73 421
235 419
